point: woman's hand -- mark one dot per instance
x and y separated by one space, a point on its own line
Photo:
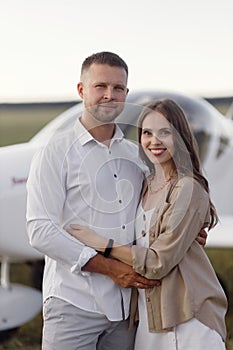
88 237
202 237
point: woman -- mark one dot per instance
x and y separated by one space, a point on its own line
187 311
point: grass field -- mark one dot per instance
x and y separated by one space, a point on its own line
20 127
19 123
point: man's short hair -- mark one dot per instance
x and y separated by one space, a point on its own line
104 57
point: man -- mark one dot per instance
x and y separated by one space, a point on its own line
89 175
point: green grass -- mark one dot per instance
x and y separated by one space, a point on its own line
20 126
27 337
222 261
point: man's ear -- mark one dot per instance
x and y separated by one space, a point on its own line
80 89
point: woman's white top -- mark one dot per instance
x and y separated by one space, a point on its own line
192 335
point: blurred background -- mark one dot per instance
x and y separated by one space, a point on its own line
181 46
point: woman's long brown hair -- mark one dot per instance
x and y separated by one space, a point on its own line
185 158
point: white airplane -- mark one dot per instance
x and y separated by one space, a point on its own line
214 134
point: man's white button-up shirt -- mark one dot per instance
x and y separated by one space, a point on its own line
76 179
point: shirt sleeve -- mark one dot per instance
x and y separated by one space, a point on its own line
45 201
179 224
86 254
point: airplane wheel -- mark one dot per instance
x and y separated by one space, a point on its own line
18 305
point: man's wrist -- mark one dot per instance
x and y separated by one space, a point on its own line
97 264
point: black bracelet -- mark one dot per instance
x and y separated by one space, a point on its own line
108 248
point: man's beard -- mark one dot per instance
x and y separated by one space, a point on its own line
102 113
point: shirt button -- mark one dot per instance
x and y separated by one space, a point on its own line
115 175
148 299
120 201
123 227
143 233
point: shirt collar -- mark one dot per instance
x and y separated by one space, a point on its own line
84 136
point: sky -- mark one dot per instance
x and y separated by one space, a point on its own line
183 46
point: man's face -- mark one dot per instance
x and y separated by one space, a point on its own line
103 89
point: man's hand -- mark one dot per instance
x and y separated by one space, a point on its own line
125 276
122 274
202 237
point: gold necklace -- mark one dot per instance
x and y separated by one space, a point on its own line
153 191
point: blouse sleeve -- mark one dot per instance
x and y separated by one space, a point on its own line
178 224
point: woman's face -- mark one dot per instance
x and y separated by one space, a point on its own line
157 138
